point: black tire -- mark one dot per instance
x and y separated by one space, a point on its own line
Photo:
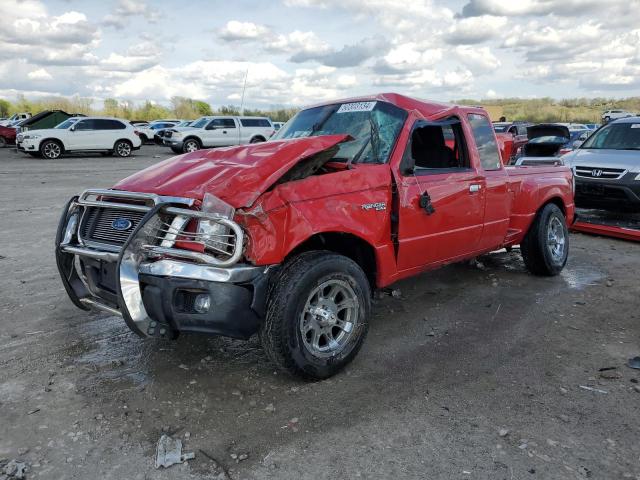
607 119
50 149
3 142
176 150
291 294
188 143
143 138
257 140
538 250
122 148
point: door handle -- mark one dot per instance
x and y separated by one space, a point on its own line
224 131
475 188
425 203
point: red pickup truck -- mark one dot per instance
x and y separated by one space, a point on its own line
289 238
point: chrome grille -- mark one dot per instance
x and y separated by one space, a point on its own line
597 172
97 225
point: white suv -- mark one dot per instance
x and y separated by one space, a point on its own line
81 134
615 114
218 131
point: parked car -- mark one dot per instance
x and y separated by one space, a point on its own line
277 125
159 133
512 136
144 131
289 238
615 114
16 117
546 140
592 126
82 134
7 136
607 167
576 137
218 131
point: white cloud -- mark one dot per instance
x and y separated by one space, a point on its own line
39 74
476 29
235 30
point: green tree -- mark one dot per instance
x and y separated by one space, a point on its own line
202 108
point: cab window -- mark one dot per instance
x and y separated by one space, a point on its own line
485 142
436 147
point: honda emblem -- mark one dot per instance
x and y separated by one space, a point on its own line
596 172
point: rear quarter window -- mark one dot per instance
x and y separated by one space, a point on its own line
485 142
255 122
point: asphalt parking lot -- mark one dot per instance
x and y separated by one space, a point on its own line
474 371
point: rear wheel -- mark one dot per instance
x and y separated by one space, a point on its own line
545 248
190 145
257 140
143 138
317 315
50 149
3 142
122 148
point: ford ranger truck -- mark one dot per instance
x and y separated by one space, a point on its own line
288 239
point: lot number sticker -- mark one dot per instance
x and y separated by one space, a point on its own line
356 107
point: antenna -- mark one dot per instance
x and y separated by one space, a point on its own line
244 87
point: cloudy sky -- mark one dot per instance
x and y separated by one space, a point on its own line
303 51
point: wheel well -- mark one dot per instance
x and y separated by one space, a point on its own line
193 137
123 140
57 140
255 137
345 244
558 202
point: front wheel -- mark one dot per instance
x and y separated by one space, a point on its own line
545 248
190 145
3 142
317 315
122 148
50 149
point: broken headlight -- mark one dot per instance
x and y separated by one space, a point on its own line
214 235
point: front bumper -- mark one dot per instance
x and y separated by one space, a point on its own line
153 288
173 142
28 145
610 194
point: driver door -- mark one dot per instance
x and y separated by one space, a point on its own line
83 136
441 197
220 132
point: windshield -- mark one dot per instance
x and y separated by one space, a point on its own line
373 125
615 136
200 123
67 123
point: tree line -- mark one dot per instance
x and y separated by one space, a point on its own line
179 107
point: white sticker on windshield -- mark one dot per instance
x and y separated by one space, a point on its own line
356 107
635 125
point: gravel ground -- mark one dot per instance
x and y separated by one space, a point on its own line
476 371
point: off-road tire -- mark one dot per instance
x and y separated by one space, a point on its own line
122 148
50 150
280 333
535 249
187 142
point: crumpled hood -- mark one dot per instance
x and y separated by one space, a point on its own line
237 175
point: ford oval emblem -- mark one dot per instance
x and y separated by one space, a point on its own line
121 224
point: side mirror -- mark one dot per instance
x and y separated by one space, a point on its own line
72 129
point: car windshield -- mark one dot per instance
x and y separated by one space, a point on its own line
199 123
67 123
373 125
615 136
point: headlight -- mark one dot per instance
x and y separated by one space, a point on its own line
176 134
213 234
31 137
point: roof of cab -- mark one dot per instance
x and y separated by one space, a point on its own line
627 120
427 108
